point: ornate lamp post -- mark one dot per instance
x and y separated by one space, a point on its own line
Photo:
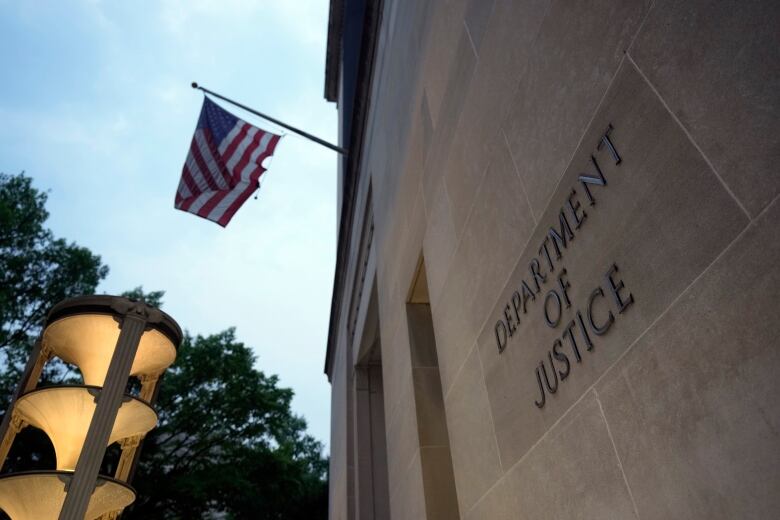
109 339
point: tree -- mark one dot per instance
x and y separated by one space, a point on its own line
36 271
227 442
227 445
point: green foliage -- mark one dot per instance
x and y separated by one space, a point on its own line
153 298
227 445
227 442
37 270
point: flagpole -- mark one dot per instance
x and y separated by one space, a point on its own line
307 135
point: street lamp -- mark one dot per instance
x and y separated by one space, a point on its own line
109 339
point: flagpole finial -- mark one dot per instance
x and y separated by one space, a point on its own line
194 85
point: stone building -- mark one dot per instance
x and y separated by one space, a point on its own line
556 291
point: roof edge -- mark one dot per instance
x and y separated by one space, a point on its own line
352 168
333 50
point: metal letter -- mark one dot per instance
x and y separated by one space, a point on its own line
561 239
573 342
541 388
501 344
527 293
552 323
564 284
588 342
588 179
573 207
512 327
538 277
599 330
621 304
551 389
606 141
516 305
543 247
560 356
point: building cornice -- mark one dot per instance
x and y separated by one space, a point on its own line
352 173
333 51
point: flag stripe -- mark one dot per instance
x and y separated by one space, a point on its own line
247 175
220 177
252 163
219 209
247 155
199 201
208 208
239 200
220 160
238 153
199 178
223 166
209 175
251 166
269 150
228 146
181 194
205 210
186 176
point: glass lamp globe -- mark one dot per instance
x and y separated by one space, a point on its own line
88 341
39 495
64 413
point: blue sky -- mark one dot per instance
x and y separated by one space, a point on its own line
95 105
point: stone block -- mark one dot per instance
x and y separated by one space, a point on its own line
446 122
429 404
572 62
497 504
411 247
511 28
402 438
441 51
694 407
440 500
472 440
422 341
396 368
498 226
494 198
407 501
497 229
476 19
454 324
439 243
573 472
717 67
662 218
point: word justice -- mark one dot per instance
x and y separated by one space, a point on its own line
587 323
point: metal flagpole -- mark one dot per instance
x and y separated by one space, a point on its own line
307 135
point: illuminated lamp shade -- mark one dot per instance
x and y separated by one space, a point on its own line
39 495
64 413
88 341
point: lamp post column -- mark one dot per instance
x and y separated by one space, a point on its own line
134 321
11 425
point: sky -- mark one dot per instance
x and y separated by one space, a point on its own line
96 106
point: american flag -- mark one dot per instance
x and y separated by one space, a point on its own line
223 165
